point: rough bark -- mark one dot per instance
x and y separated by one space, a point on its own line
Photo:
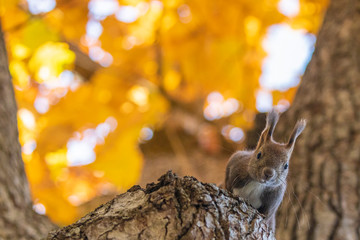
325 166
174 208
17 219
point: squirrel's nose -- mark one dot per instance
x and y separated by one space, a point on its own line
268 173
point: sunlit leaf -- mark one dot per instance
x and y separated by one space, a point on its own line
50 59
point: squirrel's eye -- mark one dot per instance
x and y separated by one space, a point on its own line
258 156
286 166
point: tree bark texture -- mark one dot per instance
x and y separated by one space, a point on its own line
174 208
323 198
17 219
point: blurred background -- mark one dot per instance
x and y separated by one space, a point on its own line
113 93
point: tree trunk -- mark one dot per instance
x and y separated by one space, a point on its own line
17 219
325 166
175 208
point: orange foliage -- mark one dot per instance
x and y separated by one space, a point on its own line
146 53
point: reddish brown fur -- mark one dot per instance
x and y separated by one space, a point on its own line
263 180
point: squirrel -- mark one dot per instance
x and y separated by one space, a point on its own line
259 176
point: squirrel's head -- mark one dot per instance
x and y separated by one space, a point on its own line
269 163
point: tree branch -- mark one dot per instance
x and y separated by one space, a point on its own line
174 208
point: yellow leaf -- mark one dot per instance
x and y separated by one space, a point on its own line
172 80
50 59
19 73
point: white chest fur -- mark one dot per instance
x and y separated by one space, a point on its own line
251 192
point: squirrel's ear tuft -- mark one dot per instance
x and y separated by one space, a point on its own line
299 127
271 121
